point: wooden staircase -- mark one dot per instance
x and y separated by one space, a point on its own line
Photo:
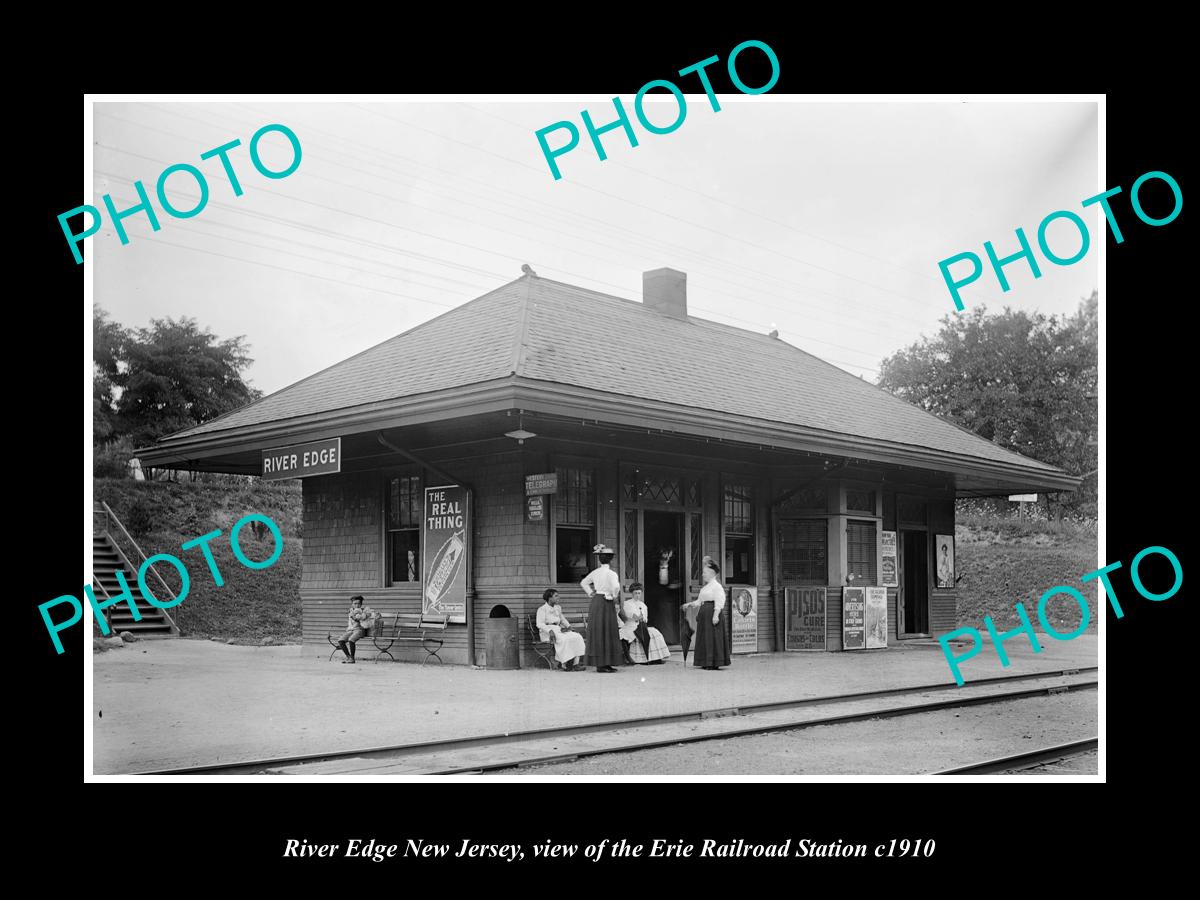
107 558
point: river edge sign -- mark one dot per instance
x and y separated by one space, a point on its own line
302 460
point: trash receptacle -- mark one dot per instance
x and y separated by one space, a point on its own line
500 639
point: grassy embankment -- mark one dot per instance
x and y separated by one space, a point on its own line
255 606
1010 559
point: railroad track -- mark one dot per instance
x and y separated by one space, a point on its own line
489 753
1028 760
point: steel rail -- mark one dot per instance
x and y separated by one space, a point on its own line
895 712
1028 760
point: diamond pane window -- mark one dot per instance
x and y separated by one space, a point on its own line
662 488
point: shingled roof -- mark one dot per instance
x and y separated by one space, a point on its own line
537 329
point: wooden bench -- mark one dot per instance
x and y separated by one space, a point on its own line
377 629
545 649
426 629
383 633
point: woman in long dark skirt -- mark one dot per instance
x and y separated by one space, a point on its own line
712 649
604 649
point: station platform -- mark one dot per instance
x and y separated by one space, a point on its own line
168 704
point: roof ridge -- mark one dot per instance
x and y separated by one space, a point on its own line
523 327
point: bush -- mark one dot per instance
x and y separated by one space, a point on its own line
111 459
139 519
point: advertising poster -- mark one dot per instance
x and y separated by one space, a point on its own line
875 618
443 566
805 619
943 549
853 609
745 619
888 571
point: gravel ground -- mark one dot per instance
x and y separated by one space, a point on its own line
164 704
910 745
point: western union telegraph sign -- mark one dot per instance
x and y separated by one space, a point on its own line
302 460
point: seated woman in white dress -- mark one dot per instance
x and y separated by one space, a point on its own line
553 626
646 644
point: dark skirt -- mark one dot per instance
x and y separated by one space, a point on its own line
603 634
710 647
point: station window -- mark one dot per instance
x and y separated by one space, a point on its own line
860 552
803 551
405 504
739 534
574 524
860 501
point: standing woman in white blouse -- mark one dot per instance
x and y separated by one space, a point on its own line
712 649
604 648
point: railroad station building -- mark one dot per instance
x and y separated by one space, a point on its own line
500 441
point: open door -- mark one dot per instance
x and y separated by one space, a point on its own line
662 552
914 584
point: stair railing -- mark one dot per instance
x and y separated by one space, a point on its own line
113 520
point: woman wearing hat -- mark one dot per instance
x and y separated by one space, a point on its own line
711 650
604 650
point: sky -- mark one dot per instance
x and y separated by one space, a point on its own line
824 220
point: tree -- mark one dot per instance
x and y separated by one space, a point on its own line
170 376
108 340
1025 381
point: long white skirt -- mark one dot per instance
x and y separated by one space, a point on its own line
658 647
567 644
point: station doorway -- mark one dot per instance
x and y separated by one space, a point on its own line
662 555
914 584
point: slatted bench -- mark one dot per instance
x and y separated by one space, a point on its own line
377 629
383 636
425 629
545 649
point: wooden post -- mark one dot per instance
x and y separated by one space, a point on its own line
470 592
777 592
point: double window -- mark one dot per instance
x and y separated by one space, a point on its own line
405 506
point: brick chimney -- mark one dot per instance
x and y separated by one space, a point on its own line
665 291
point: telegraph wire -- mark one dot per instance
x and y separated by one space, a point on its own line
648 208
153 236
742 298
742 209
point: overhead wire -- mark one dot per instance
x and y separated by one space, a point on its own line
723 202
741 298
410 297
651 209
438 237
498 275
